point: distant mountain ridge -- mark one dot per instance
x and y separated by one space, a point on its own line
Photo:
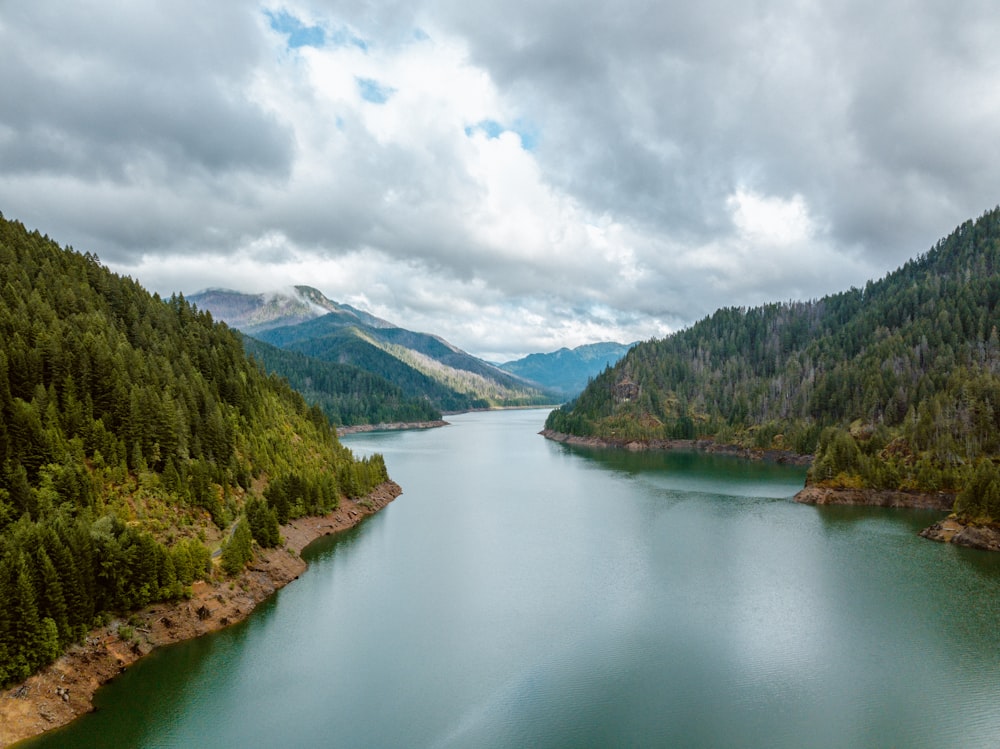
567 371
420 365
255 313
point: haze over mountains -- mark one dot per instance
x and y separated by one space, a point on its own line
255 313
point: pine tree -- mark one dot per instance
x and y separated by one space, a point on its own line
238 550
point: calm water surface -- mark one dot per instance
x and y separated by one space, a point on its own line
523 593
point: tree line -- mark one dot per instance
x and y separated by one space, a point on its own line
347 394
129 425
893 386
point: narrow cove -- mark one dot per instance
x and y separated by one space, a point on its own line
527 593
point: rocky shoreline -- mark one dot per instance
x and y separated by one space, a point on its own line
64 690
390 426
950 530
703 445
820 495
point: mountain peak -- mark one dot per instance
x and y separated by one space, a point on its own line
254 313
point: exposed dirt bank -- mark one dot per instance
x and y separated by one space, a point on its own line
818 495
704 445
951 530
64 690
390 427
954 531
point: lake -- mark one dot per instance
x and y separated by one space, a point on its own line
523 593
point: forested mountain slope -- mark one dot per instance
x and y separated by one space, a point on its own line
421 365
130 426
424 367
896 385
348 395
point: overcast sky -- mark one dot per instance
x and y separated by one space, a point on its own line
515 176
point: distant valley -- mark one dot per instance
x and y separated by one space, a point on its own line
567 371
361 369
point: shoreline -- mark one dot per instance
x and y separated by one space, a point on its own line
64 690
392 426
951 529
771 455
821 495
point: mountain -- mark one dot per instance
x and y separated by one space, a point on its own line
133 430
254 313
895 386
347 394
421 365
567 371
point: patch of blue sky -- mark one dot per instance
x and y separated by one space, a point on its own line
373 91
344 37
528 132
299 35
493 129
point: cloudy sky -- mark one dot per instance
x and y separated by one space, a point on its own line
515 176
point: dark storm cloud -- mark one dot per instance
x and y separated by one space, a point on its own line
133 92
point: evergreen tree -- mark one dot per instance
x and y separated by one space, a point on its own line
126 422
238 550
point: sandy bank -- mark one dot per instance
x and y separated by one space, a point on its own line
64 690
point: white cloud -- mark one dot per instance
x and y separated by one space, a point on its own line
770 221
515 177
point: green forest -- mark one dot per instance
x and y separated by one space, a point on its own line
129 426
422 366
347 394
892 386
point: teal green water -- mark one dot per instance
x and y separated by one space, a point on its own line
521 593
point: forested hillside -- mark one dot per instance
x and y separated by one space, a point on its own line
421 365
348 395
893 386
130 426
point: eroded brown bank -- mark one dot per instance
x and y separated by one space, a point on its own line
64 690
